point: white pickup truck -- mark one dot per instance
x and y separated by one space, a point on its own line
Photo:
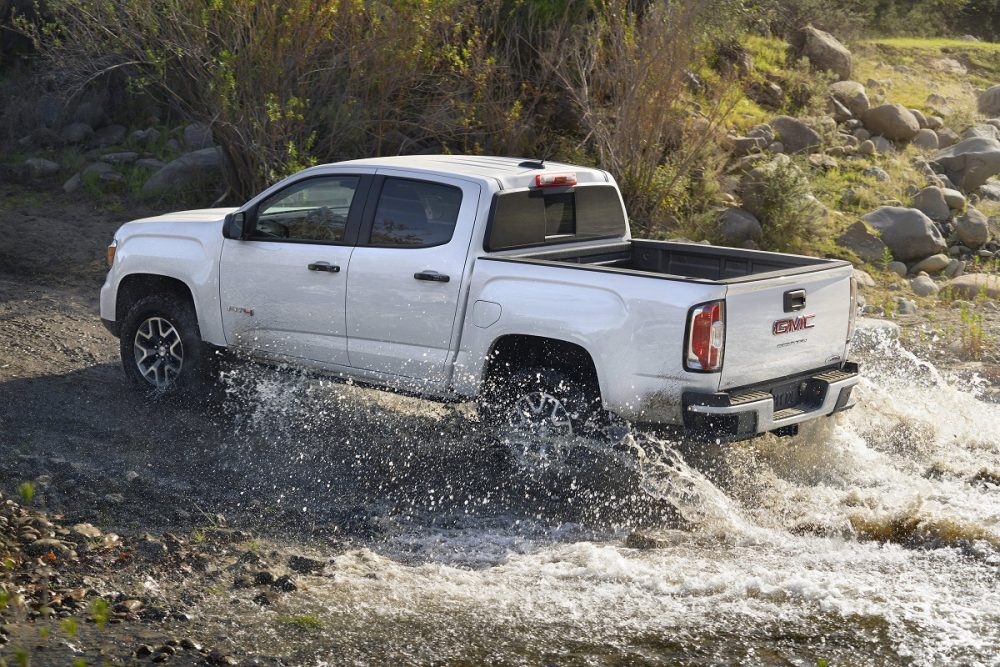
514 283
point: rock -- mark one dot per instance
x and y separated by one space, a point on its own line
76 133
878 173
989 101
955 268
949 65
150 163
849 140
972 285
921 119
990 190
172 146
883 146
38 166
796 136
972 228
107 136
265 598
114 498
970 162
285 583
852 95
927 139
898 268
189 171
763 130
982 131
905 306
190 645
130 606
197 136
935 122
82 532
955 199
861 134
939 105
909 234
985 254
924 286
767 94
131 476
863 278
776 148
932 264
932 203
823 161
870 332
836 109
305 565
151 549
48 109
123 157
947 137
48 547
866 245
824 52
263 578
746 145
867 147
893 121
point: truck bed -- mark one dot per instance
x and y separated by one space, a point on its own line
679 261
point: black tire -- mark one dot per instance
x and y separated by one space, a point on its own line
155 314
581 400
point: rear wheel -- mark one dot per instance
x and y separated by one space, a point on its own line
538 411
161 348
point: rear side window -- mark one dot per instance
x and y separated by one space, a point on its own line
415 214
525 218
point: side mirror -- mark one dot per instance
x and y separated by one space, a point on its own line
234 226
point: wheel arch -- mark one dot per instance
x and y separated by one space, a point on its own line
135 286
512 352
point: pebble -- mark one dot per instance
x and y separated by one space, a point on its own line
305 565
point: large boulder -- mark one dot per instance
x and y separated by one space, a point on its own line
893 121
931 202
909 234
852 95
970 163
824 52
200 169
197 136
982 130
796 136
737 226
972 228
947 137
989 101
972 285
859 238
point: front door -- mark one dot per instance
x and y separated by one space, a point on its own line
283 289
406 275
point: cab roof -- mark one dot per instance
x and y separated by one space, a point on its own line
511 172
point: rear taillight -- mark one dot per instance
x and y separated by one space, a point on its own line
706 337
854 309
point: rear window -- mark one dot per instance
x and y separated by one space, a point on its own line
526 218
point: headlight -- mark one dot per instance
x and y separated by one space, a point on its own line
112 249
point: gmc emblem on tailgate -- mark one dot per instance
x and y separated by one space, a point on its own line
791 324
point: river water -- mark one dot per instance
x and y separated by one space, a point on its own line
870 539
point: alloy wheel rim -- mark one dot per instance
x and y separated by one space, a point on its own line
542 423
159 352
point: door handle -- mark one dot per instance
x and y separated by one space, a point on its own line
324 266
433 276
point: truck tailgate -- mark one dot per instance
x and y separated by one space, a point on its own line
782 325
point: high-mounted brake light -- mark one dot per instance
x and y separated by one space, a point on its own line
555 180
706 337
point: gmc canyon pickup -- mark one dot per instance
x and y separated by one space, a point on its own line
515 283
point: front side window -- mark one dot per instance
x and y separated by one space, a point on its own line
415 214
312 210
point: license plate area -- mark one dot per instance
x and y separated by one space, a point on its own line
786 395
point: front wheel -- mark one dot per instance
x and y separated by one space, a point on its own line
161 347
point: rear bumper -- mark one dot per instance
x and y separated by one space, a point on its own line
744 413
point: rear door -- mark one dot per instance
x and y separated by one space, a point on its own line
783 325
284 289
406 274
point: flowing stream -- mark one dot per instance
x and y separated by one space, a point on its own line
870 539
